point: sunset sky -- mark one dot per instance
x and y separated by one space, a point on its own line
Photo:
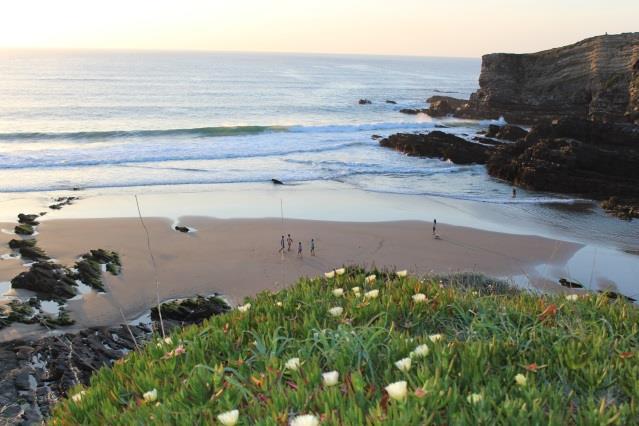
402 27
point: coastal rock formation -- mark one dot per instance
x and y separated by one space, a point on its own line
191 310
596 79
437 144
49 280
574 156
364 102
507 132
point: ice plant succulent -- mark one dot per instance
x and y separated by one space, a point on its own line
78 396
340 271
370 279
329 274
371 294
331 378
229 418
404 364
244 308
435 338
356 290
338 292
293 364
305 420
397 390
520 379
420 351
336 311
419 298
150 396
402 274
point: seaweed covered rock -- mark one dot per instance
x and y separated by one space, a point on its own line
191 311
28 249
29 219
61 202
183 229
23 229
506 132
90 272
49 280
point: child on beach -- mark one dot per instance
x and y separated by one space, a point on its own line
281 245
312 246
434 226
299 249
289 240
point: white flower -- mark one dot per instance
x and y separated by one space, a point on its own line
397 390
165 341
371 294
280 304
340 271
305 420
403 364
293 364
336 311
150 396
331 378
520 379
401 274
370 279
474 398
572 297
420 351
419 297
356 291
78 396
435 337
329 274
229 418
244 308
338 292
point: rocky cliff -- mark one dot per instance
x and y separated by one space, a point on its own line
596 79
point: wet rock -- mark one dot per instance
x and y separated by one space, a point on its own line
412 111
506 132
49 280
33 253
442 106
614 295
191 310
376 137
90 273
364 102
61 202
23 229
388 101
627 209
18 244
438 144
29 219
569 284
277 182
182 228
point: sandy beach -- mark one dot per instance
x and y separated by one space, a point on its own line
239 257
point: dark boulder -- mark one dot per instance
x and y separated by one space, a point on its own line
277 182
442 106
412 111
33 253
48 280
181 228
191 311
506 132
23 229
364 102
391 102
29 219
438 144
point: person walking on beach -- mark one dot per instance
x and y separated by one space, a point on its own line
434 226
514 193
299 249
312 246
289 240
281 245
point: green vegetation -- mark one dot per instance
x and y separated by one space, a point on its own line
478 355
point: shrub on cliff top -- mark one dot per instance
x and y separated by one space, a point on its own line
449 356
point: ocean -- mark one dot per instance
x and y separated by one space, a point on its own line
96 120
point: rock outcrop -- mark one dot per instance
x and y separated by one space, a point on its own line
437 144
595 79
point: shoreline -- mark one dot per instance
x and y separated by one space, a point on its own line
239 258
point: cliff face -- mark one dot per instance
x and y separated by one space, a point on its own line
597 79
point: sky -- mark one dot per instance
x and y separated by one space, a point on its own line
466 28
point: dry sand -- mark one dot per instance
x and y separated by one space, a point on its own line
239 257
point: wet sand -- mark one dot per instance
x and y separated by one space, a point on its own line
239 257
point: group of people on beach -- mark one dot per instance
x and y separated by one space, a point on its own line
289 241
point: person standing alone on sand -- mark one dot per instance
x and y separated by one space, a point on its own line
312 246
299 249
434 226
289 240
281 245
